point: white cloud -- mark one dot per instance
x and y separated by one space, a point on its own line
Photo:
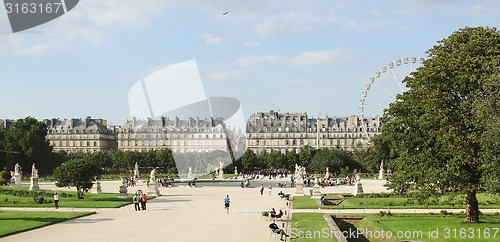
249 60
252 44
292 22
317 57
90 20
221 75
479 10
210 39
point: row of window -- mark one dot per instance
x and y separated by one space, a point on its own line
170 136
80 137
301 142
75 131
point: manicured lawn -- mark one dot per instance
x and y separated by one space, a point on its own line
20 197
18 221
304 202
427 227
390 201
310 227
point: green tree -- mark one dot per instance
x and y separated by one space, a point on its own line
434 130
333 158
77 173
292 158
249 160
370 157
306 153
28 138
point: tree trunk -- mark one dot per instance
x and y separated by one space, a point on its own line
471 208
79 192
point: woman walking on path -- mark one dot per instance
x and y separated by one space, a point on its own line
270 188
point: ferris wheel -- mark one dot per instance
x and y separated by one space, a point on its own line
383 88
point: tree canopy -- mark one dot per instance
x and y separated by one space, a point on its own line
77 173
25 143
443 131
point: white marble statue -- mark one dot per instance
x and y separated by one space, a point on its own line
17 169
152 177
34 171
136 170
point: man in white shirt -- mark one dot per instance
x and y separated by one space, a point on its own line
56 200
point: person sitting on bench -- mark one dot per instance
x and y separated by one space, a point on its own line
274 227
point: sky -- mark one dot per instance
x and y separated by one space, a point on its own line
296 56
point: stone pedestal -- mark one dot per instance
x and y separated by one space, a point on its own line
123 191
98 189
299 188
153 190
358 189
17 180
12 179
316 192
34 184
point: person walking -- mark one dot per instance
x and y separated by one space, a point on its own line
144 199
56 200
136 200
270 188
227 201
262 189
321 201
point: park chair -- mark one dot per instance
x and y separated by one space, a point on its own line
273 232
265 214
279 215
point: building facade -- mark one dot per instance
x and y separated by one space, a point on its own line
272 131
85 135
191 135
6 123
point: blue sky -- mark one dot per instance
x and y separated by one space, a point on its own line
288 55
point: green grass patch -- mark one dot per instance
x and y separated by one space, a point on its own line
424 227
309 227
387 201
304 202
12 222
22 197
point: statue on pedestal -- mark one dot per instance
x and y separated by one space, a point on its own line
17 175
190 173
17 169
34 171
136 170
34 179
381 174
152 177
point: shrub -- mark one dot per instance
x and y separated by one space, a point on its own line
5 175
384 214
40 200
444 212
